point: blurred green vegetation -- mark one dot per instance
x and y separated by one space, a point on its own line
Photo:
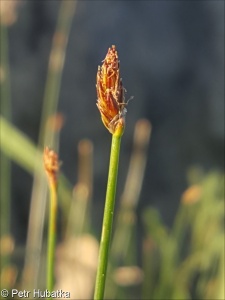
182 262
187 261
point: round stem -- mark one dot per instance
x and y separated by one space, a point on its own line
51 237
108 218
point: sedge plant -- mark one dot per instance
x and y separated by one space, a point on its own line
111 104
51 165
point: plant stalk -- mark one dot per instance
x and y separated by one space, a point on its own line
108 218
51 236
5 163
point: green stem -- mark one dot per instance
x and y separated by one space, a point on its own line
5 163
108 218
55 69
51 237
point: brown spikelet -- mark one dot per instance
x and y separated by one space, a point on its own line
51 165
110 93
192 194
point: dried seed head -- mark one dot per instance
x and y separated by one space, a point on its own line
55 122
110 93
9 12
51 165
192 195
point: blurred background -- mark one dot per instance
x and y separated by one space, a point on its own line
172 155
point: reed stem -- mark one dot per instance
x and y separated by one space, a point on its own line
108 218
51 237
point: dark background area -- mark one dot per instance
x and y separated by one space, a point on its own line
172 62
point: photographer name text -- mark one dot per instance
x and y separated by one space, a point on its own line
37 293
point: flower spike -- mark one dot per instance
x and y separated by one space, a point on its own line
51 165
110 93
